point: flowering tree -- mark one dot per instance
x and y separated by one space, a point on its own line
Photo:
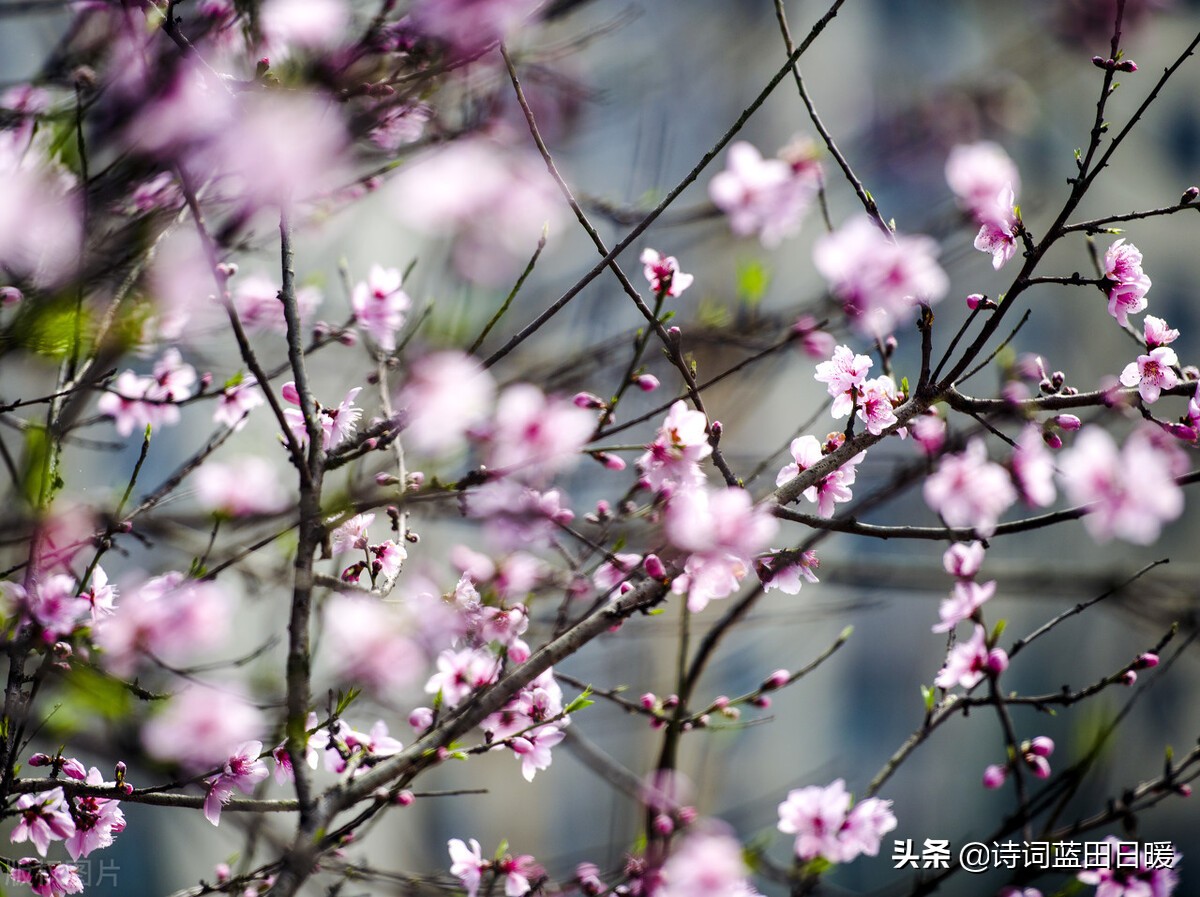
295 638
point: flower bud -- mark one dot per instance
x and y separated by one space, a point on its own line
777 679
671 702
40 759
1127 65
762 701
654 566
646 382
687 815
994 776
1042 746
10 296
588 400
1068 422
1189 195
1053 440
648 700
997 660
720 702
1146 661
1129 677
73 769
1100 62
404 798
663 824
222 872
421 719
386 479
974 300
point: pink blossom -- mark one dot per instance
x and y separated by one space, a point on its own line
929 432
170 618
721 530
534 749
470 26
708 862
1129 494
306 24
767 197
968 490
672 460
613 572
243 770
100 594
534 435
460 673
40 222
240 488
876 404
284 773
467 864
539 702
517 516
1033 468
1151 373
1157 333
663 274
977 172
47 879
55 605
447 394
259 307
966 663
1130 876
390 556
379 306
826 826
44 817
371 644
337 424
963 559
879 279
834 488
788 578
125 405
967 597
236 403
351 535
495 201
202 726
843 374
1127 284
276 148
999 226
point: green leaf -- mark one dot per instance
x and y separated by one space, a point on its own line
927 696
580 703
904 385
753 279
345 699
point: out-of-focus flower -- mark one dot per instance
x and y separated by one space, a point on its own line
201 727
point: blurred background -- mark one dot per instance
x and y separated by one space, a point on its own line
630 93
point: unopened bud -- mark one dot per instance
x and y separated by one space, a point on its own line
997 660
663 824
1127 65
1129 677
588 400
222 872
1101 63
386 479
1042 746
10 296
404 798
1052 439
40 760
646 382
777 679
421 718
1146 661
1189 195
1068 421
654 566
671 701
994 776
762 701
648 700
